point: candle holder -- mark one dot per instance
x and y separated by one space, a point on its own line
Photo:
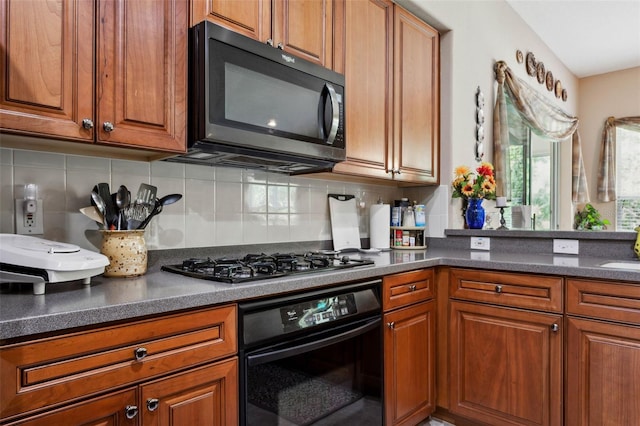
502 221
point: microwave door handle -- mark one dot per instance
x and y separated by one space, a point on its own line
332 96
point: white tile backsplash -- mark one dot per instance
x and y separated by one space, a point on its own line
220 206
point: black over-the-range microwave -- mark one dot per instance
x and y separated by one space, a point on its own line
255 106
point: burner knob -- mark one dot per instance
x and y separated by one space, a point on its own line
345 260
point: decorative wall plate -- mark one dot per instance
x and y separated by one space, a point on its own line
531 64
479 151
549 81
540 72
565 95
558 89
479 133
479 98
519 56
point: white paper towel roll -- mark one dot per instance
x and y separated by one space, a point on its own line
379 219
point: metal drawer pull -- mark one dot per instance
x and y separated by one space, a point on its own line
554 327
391 324
498 289
140 353
270 42
130 411
87 124
152 404
412 287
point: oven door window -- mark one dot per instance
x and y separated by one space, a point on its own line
334 382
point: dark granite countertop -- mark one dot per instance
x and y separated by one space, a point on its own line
70 305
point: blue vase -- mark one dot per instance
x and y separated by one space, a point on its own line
475 213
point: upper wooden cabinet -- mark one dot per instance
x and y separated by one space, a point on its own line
110 72
302 28
392 91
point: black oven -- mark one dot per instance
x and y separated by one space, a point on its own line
312 358
253 105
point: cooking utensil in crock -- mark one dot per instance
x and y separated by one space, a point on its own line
123 198
157 209
110 213
146 194
93 213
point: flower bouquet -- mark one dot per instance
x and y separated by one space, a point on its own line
473 187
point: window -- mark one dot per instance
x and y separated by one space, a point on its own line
627 179
533 174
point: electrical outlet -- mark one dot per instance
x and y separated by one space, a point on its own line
29 223
565 246
480 243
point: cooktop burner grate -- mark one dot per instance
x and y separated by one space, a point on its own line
254 267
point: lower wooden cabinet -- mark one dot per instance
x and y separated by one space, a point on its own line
116 409
409 347
505 365
204 396
177 369
603 373
603 353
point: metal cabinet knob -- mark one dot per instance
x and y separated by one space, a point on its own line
391 325
397 171
498 289
140 353
130 411
270 42
87 123
108 127
280 46
412 287
554 327
152 404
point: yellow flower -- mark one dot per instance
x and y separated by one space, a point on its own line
468 190
488 187
462 171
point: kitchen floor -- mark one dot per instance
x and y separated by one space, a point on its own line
434 422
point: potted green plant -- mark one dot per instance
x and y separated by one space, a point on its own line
589 219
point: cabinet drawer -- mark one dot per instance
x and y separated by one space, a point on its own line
537 292
59 369
601 299
407 288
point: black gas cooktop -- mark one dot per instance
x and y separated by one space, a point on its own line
254 267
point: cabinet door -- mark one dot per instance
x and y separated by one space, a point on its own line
368 74
505 365
603 373
409 364
251 18
205 396
304 28
117 409
416 99
46 67
141 83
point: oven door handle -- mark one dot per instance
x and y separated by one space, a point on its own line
310 346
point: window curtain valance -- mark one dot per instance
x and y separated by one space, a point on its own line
544 118
607 170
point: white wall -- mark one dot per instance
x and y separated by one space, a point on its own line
476 34
614 94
